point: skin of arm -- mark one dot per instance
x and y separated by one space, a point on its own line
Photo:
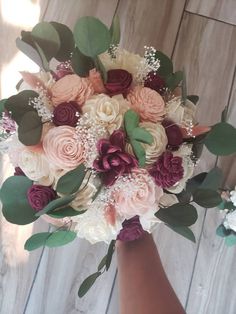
143 284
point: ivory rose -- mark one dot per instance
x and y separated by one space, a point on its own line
158 145
71 88
34 165
62 148
137 195
147 103
106 111
179 113
124 60
93 226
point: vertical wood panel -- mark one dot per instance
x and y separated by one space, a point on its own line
213 286
223 10
151 23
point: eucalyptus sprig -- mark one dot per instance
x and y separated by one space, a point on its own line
137 135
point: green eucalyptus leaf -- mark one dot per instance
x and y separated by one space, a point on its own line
206 198
100 67
18 105
221 140
131 121
67 211
142 135
67 43
88 283
71 181
59 238
193 98
91 36
56 204
221 231
15 205
46 36
102 264
178 215
185 232
213 180
166 65
115 30
195 182
36 241
230 240
224 114
173 80
29 51
139 152
110 252
81 64
30 128
43 57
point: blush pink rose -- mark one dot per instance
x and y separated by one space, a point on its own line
96 81
71 88
147 103
138 195
62 148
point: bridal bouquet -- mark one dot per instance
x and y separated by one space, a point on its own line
104 142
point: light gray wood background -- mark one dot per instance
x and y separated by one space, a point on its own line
200 35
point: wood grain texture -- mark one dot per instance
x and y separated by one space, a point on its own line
68 12
61 272
223 10
151 23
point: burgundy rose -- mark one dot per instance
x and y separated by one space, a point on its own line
18 172
113 160
132 230
118 82
63 69
66 114
39 196
154 81
167 170
173 133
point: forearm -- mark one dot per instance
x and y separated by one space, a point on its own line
143 285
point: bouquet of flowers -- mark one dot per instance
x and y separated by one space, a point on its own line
104 142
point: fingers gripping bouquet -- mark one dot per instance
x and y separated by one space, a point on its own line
104 145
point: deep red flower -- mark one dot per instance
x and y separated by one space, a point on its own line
154 81
66 114
167 170
132 230
173 133
118 82
39 196
113 160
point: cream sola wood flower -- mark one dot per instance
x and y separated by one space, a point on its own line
106 111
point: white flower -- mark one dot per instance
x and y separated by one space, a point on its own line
179 113
233 196
93 226
106 111
230 221
35 166
158 145
184 152
149 220
124 60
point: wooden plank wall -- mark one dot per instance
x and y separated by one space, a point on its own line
200 35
